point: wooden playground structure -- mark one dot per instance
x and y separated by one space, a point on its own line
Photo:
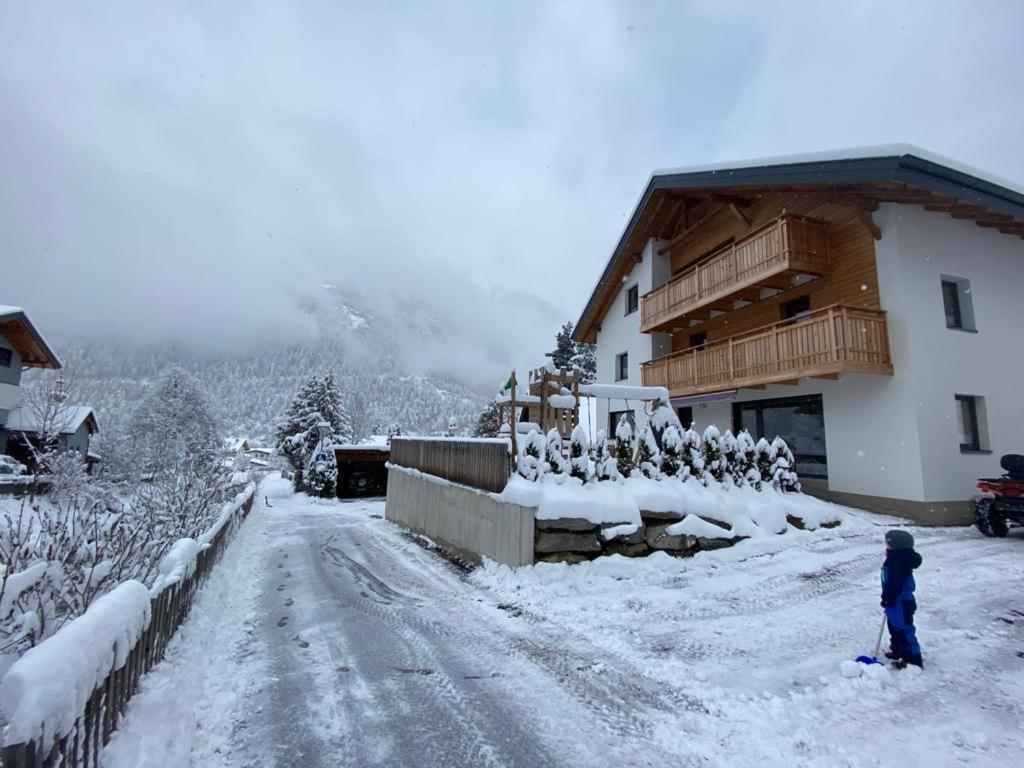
551 401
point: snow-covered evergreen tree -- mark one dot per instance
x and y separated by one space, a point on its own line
556 463
783 469
394 430
624 447
529 463
579 453
321 474
764 459
317 401
730 452
671 452
744 468
692 454
648 455
607 465
661 419
584 359
488 423
715 466
175 421
564 351
597 449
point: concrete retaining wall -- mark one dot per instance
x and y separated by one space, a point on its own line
461 519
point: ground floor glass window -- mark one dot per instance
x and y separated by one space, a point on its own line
800 421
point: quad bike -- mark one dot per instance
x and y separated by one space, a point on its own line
1002 501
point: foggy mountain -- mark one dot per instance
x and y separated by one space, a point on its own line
380 358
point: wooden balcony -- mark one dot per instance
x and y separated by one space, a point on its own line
824 343
789 245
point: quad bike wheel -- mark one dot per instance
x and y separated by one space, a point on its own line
988 520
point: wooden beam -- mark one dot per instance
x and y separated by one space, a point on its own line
755 386
829 376
673 223
789 382
686 232
735 211
868 222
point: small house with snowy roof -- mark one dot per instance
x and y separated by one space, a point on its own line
860 304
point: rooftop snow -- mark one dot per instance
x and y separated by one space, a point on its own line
26 420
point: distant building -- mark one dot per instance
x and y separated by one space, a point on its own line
23 347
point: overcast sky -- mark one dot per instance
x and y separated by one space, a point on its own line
182 171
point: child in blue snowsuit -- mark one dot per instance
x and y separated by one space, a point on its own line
898 598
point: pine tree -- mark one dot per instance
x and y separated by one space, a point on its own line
693 455
317 401
671 452
624 447
585 359
648 455
564 351
764 460
784 477
488 422
607 466
579 453
730 453
556 463
528 463
715 466
744 469
321 474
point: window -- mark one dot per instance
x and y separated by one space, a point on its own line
622 366
632 299
800 421
699 339
6 356
685 415
956 300
801 305
971 423
613 421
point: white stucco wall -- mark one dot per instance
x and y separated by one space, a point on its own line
621 333
943 362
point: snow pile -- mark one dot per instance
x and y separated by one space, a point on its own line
563 496
179 563
46 689
691 525
226 512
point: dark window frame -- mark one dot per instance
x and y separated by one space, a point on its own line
758 406
6 357
685 414
613 421
951 305
698 339
632 299
974 432
622 366
786 308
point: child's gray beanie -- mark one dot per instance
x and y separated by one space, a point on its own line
898 539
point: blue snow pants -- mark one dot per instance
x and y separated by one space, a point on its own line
903 634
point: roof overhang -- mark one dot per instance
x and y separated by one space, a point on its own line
899 173
26 340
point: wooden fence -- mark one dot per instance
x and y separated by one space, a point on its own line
104 708
484 463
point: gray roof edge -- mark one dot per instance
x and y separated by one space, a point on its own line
35 334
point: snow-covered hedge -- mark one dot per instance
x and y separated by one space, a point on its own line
45 691
664 450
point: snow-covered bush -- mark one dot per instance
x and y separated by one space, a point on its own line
661 419
607 465
671 452
715 465
744 466
318 401
597 449
648 455
692 454
763 461
322 471
783 468
488 423
531 455
624 447
555 462
579 453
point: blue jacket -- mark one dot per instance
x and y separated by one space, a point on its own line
898 576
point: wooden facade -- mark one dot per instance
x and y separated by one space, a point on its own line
739 277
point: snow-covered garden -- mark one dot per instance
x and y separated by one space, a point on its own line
664 488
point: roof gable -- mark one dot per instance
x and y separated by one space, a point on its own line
25 339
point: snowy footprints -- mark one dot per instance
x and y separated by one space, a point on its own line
288 601
282 621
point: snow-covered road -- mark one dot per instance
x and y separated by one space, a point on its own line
326 636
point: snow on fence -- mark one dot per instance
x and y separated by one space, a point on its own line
63 698
482 463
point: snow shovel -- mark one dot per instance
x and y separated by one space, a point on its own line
873 659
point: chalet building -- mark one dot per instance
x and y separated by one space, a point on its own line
23 347
864 305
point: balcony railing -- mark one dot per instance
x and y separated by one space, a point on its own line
828 341
788 244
